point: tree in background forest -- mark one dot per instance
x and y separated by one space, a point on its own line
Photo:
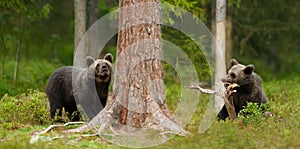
221 49
20 15
266 34
79 21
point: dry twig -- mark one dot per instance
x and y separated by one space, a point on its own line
36 135
228 97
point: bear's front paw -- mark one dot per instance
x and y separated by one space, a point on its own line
231 88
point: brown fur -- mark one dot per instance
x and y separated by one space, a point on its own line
250 89
61 93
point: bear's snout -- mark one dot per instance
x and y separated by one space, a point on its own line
104 67
227 81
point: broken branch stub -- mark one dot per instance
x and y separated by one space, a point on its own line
230 89
228 97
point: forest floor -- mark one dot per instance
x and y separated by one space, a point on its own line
25 114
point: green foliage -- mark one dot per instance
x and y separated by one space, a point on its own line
33 74
191 49
173 95
258 132
46 9
197 8
27 108
234 3
253 113
265 33
17 16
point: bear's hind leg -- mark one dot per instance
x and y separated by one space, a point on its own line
223 114
72 112
56 111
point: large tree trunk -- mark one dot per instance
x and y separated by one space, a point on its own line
79 21
220 50
138 98
139 47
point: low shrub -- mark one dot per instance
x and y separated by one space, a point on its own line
253 113
27 108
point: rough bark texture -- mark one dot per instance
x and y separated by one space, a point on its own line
79 21
221 48
229 101
138 98
139 43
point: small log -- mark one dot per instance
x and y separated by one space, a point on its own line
228 98
230 89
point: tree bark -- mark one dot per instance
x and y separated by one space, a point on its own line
138 98
220 50
229 104
79 21
142 69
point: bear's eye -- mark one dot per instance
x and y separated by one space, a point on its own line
232 75
97 66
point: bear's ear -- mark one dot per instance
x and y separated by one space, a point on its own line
249 69
233 62
108 57
89 60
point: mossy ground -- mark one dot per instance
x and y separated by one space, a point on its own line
26 113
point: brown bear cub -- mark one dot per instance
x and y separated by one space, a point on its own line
86 85
249 90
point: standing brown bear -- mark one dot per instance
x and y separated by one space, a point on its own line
89 86
249 90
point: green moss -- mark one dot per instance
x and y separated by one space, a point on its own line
26 113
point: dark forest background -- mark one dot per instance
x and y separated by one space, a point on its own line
264 33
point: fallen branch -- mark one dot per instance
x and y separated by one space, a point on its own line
230 89
228 98
207 91
36 135
66 124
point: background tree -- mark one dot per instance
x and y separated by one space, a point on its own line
265 33
93 12
79 21
220 49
